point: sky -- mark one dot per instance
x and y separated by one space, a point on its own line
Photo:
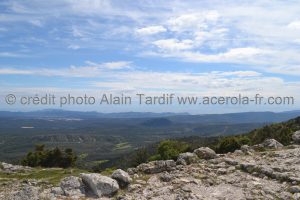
186 47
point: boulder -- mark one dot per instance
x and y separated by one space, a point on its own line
296 137
157 166
122 177
72 186
205 153
26 193
101 186
272 144
187 157
9 168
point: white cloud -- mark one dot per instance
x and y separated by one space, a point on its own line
36 22
193 21
288 70
173 44
294 25
151 30
91 70
210 83
11 71
11 54
117 65
111 65
74 46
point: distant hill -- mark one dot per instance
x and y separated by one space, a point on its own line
245 117
231 118
54 113
157 122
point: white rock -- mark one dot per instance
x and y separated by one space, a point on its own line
100 185
272 143
205 153
72 186
122 177
9 168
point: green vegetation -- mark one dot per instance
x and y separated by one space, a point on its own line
42 157
282 132
170 149
138 157
108 171
228 144
53 175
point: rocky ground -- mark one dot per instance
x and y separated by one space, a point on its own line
245 174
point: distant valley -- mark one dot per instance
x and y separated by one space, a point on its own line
103 136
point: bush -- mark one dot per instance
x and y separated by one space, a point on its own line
42 157
140 156
228 144
170 149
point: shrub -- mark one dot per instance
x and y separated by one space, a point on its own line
140 156
170 149
228 144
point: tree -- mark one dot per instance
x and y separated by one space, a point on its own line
50 158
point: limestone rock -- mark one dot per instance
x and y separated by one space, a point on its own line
122 177
101 186
205 153
271 143
9 168
72 186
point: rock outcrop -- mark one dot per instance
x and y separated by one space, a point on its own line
157 166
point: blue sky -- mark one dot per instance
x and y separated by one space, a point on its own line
186 47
